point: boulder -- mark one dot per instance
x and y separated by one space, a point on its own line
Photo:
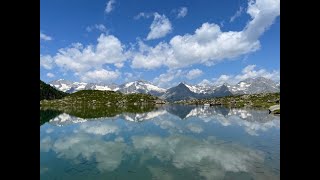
274 108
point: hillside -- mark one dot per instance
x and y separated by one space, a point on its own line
49 93
263 100
95 103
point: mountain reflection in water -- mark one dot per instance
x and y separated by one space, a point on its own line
170 142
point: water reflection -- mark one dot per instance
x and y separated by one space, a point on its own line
251 120
196 143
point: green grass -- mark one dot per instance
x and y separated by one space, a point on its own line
94 103
264 100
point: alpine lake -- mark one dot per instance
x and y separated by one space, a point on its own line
167 142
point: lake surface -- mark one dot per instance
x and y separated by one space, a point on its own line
168 143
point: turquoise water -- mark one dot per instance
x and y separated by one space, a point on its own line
171 142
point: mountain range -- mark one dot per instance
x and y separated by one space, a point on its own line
182 91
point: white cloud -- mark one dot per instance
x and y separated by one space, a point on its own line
248 72
108 154
50 75
150 57
182 12
160 27
223 79
209 45
205 82
45 37
237 14
195 128
166 79
49 130
109 50
119 65
46 61
99 27
99 128
142 14
100 76
194 73
185 152
128 77
110 6
263 14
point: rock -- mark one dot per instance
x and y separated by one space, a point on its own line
274 108
159 101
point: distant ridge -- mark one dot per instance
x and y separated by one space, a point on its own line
182 91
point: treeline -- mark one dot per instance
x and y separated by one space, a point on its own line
49 93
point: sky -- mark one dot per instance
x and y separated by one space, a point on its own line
161 41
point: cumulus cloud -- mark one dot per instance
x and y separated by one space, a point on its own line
166 79
87 141
107 153
128 76
46 61
209 45
101 75
223 79
186 152
45 37
160 27
50 75
237 14
182 12
99 27
249 71
78 58
99 128
110 6
150 57
194 73
119 65
195 128
205 82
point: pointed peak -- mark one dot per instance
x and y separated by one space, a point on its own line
143 81
225 84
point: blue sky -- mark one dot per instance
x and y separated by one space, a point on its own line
164 42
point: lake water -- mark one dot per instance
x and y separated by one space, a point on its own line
168 143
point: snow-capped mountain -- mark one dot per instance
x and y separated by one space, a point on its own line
102 87
247 86
183 91
201 88
127 88
180 92
141 87
67 86
71 87
254 86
